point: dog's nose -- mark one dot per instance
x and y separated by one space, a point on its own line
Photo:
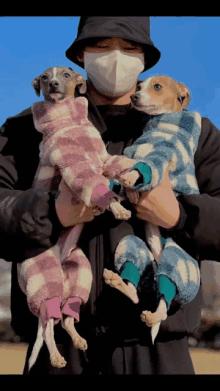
54 83
134 97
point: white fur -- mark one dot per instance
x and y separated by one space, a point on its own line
155 328
147 104
154 240
37 346
54 74
146 83
154 331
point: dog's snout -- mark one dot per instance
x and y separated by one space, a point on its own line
54 83
134 97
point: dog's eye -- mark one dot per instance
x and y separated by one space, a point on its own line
44 77
157 86
66 75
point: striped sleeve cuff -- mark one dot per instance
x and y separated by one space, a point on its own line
101 195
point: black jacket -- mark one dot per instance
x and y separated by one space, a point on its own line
29 225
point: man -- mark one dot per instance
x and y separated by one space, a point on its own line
113 51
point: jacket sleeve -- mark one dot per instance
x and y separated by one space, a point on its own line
199 229
28 219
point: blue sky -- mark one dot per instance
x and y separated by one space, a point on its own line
189 47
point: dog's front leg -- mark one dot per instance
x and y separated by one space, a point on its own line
130 178
118 210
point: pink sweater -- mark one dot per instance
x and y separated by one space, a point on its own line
73 148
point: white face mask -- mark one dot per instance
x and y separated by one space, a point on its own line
113 73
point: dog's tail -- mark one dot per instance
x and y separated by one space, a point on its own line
37 346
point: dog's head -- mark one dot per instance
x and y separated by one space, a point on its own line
160 94
58 83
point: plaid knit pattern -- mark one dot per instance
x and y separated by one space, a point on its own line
75 146
71 149
168 141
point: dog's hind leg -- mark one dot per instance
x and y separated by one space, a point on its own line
55 357
78 341
48 335
77 285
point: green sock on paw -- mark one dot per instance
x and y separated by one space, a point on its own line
167 288
130 273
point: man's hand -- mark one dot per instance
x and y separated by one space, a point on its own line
159 206
68 213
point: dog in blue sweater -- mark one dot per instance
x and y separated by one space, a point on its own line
169 140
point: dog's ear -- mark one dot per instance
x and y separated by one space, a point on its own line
184 93
81 81
36 84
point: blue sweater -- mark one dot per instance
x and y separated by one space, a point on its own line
169 140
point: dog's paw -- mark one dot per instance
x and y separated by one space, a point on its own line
121 213
98 210
129 179
80 343
107 275
115 281
57 360
111 278
152 318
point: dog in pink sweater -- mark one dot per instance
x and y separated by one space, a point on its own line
59 280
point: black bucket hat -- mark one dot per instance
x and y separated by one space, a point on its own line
133 28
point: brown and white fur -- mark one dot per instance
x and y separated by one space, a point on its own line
156 95
57 85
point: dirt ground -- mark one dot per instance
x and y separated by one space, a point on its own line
12 358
